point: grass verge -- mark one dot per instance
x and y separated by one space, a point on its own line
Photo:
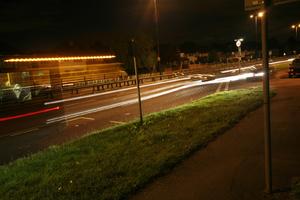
296 189
115 162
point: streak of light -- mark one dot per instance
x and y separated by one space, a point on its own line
29 114
253 66
134 101
111 92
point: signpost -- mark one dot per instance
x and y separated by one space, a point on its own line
132 44
238 43
265 5
278 2
253 4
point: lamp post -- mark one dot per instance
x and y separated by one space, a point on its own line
156 12
256 16
296 29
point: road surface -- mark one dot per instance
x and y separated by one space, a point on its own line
73 117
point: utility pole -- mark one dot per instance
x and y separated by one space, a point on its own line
156 12
132 44
256 37
266 90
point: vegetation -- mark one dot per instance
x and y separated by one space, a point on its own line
296 189
113 163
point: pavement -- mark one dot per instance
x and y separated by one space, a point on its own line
232 166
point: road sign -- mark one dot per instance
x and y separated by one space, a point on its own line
278 2
259 4
254 4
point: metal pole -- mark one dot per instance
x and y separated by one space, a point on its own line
137 80
156 10
267 112
240 59
256 36
296 33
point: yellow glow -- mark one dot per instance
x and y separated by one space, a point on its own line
261 14
293 26
60 58
299 25
251 16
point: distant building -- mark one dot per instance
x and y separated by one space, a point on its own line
57 71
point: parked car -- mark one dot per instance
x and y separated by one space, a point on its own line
294 68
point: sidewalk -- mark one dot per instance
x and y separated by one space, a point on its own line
232 167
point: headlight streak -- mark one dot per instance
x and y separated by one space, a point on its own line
134 101
111 92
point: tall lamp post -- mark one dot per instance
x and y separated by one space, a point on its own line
295 27
256 16
156 11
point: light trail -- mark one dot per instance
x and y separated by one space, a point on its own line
29 114
112 92
134 101
149 85
253 66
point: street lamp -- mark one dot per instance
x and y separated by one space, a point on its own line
255 17
238 43
156 11
296 29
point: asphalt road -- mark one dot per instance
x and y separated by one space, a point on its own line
78 116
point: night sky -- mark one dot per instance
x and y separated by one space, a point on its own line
42 24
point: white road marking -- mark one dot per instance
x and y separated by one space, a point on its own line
23 132
82 118
116 122
219 87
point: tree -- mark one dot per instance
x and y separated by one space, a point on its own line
145 52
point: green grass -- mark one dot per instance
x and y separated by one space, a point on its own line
115 162
296 189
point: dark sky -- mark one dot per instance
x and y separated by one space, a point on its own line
34 24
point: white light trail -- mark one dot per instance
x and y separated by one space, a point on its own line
111 92
134 101
253 66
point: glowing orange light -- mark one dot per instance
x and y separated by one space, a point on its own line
261 14
59 58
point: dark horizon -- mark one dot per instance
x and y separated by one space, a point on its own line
36 26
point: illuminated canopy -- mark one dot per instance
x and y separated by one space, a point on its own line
50 59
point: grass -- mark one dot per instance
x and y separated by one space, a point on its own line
296 189
113 163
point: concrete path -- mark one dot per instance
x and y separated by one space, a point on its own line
232 167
